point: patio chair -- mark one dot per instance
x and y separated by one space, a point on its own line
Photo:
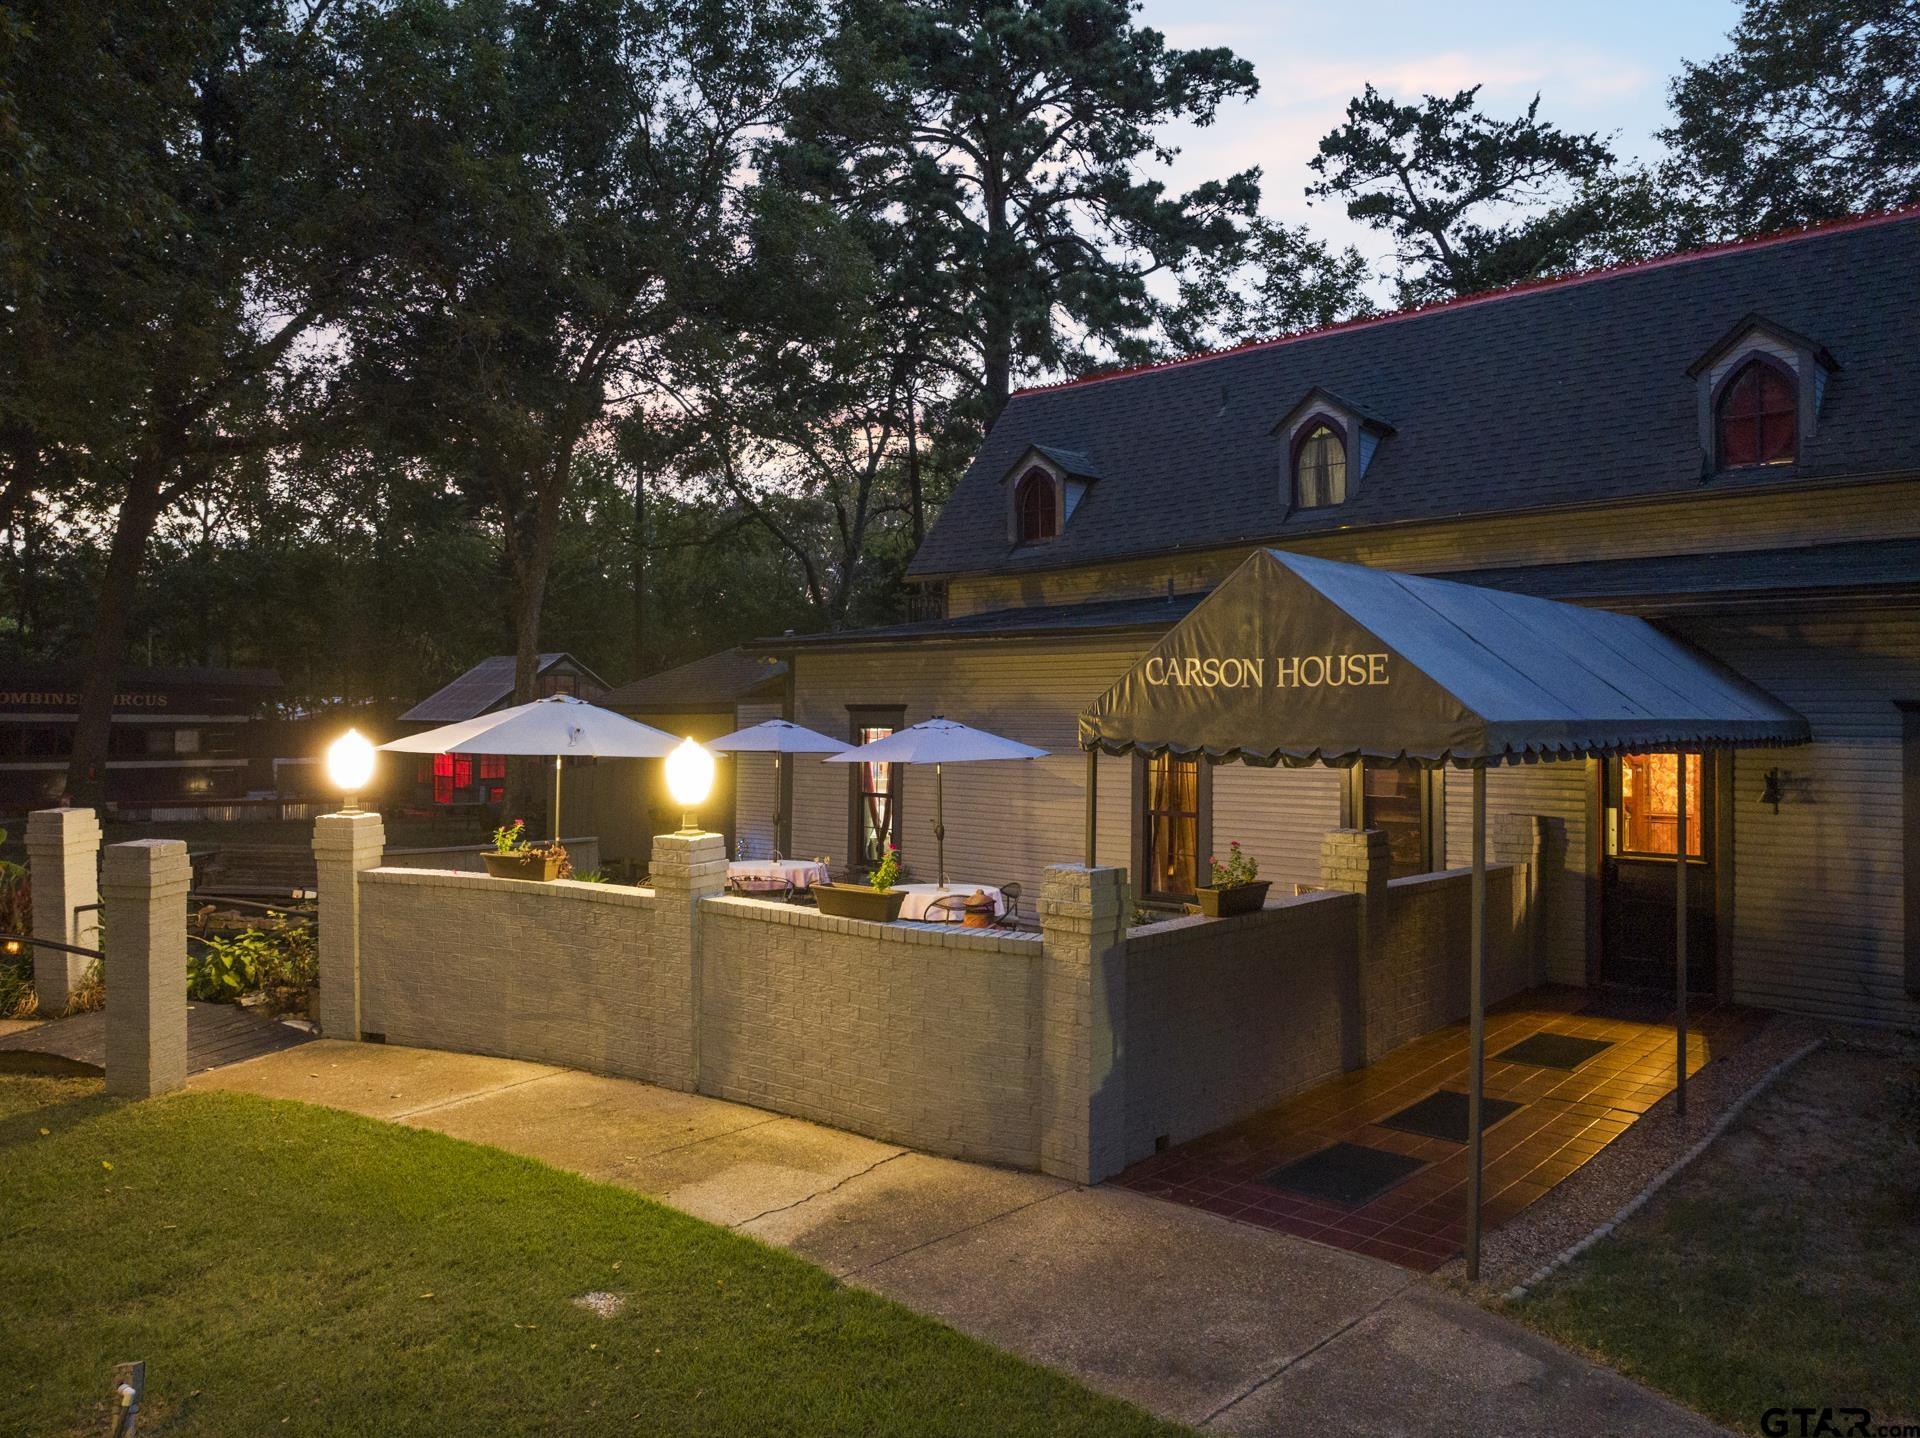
760 888
1011 894
947 909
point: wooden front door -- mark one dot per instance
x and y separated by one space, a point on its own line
1637 896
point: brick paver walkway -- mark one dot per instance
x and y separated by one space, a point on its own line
1565 1118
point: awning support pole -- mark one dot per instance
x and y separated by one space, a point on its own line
940 824
556 798
1477 1021
1680 933
1093 801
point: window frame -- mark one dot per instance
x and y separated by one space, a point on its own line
892 717
1055 494
1723 392
1303 434
1432 791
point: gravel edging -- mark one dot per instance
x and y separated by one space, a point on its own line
1603 1185
1668 1174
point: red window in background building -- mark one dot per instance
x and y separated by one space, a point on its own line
493 766
1035 507
1759 417
462 772
443 778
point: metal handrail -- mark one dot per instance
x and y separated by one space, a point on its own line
32 942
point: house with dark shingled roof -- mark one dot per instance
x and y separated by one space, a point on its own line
1725 442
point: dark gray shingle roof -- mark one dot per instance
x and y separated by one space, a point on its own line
474 692
1573 392
715 681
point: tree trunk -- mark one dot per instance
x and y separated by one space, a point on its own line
641 655
530 782
916 508
113 616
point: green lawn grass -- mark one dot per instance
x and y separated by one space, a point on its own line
1779 1271
285 1269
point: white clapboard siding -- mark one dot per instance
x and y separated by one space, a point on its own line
1279 816
1010 820
1558 791
1818 919
1005 821
754 799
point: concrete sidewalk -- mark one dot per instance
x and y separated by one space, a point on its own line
1197 1318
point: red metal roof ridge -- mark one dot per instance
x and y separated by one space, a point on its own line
1524 287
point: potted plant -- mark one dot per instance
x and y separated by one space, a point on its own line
514 856
1234 887
876 899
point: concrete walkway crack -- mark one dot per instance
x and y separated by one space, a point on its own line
470 1097
954 1233
1299 1357
822 1192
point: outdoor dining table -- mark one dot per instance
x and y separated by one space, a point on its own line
920 898
798 873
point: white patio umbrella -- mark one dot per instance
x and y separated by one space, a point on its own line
778 737
938 742
557 726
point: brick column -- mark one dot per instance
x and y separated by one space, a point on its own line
63 861
1359 861
1524 839
1083 1013
144 885
343 845
686 869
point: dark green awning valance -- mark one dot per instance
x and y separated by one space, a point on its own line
1299 661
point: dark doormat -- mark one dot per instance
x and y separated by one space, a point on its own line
1444 1115
1547 1050
1631 1007
1350 1174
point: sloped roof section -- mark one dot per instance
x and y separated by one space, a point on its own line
715 681
478 690
1300 661
1574 392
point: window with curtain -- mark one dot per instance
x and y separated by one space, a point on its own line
1036 507
1759 416
1320 467
1170 827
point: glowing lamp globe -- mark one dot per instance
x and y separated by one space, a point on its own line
350 766
689 780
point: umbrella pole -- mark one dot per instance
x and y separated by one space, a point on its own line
778 816
1680 933
940 823
1477 1021
556 798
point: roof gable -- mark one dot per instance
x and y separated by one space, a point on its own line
488 683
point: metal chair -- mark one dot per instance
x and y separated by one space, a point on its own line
947 909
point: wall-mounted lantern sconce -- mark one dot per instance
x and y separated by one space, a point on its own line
1770 793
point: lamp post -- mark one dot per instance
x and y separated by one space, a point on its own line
350 767
689 780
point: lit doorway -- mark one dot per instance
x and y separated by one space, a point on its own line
1637 879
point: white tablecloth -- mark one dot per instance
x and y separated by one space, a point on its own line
801 873
919 896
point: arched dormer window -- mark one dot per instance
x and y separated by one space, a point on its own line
1319 465
1757 419
1036 506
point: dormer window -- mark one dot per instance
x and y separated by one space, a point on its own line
1036 506
1757 418
1319 465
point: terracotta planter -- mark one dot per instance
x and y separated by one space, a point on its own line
537 867
859 901
1240 899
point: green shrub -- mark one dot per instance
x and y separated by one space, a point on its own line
278 961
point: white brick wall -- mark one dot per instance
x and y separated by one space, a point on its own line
561 973
926 1036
